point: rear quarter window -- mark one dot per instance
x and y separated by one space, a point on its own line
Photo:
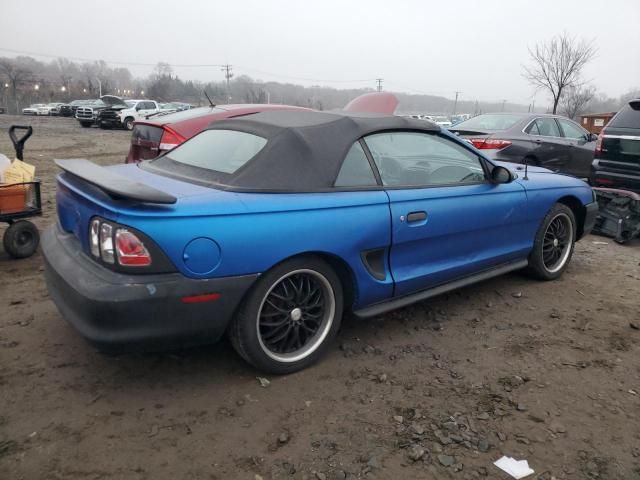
223 151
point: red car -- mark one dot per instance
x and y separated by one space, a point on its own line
159 134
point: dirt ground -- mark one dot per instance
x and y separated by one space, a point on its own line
548 372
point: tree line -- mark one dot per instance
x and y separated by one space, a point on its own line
25 80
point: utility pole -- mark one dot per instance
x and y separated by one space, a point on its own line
379 80
475 109
503 102
228 75
533 106
455 104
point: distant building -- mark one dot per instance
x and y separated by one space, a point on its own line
594 122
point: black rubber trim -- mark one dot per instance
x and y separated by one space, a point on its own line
591 213
400 302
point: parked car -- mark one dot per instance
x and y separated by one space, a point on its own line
549 141
87 113
617 154
162 132
32 109
1 110
69 109
440 120
51 109
123 115
270 226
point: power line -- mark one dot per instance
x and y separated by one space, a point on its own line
307 79
188 65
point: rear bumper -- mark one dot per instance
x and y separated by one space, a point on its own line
612 174
119 312
602 178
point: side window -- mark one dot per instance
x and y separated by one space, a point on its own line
355 170
571 130
548 127
149 106
420 159
532 129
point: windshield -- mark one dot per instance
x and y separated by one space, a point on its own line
130 103
222 151
491 122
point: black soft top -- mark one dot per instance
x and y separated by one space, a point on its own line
304 149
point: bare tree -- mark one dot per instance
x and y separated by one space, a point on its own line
557 64
16 76
575 99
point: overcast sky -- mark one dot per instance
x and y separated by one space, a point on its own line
436 47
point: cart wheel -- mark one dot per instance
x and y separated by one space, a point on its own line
21 239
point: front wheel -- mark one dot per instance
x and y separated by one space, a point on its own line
86 124
128 123
289 317
21 239
553 244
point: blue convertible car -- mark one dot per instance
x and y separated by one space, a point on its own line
270 226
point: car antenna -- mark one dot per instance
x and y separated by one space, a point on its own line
210 102
526 164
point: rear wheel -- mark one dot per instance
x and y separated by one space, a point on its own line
128 123
289 317
21 239
553 245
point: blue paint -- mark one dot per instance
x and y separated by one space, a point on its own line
211 233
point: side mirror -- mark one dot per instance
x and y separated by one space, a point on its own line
501 175
138 108
592 137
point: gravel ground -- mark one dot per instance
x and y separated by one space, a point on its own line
548 372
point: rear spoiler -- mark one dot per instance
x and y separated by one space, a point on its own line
113 183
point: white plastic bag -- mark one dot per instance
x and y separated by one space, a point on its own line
4 164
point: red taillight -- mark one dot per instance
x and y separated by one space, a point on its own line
598 149
131 251
489 143
170 139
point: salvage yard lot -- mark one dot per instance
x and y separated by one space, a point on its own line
548 372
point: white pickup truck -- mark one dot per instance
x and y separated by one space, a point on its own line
124 116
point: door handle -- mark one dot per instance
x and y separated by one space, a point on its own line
416 216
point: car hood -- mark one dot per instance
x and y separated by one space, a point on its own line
112 101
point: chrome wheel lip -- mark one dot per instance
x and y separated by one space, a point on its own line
325 326
566 249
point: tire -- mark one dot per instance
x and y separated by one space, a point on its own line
128 123
85 124
21 239
285 296
554 243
